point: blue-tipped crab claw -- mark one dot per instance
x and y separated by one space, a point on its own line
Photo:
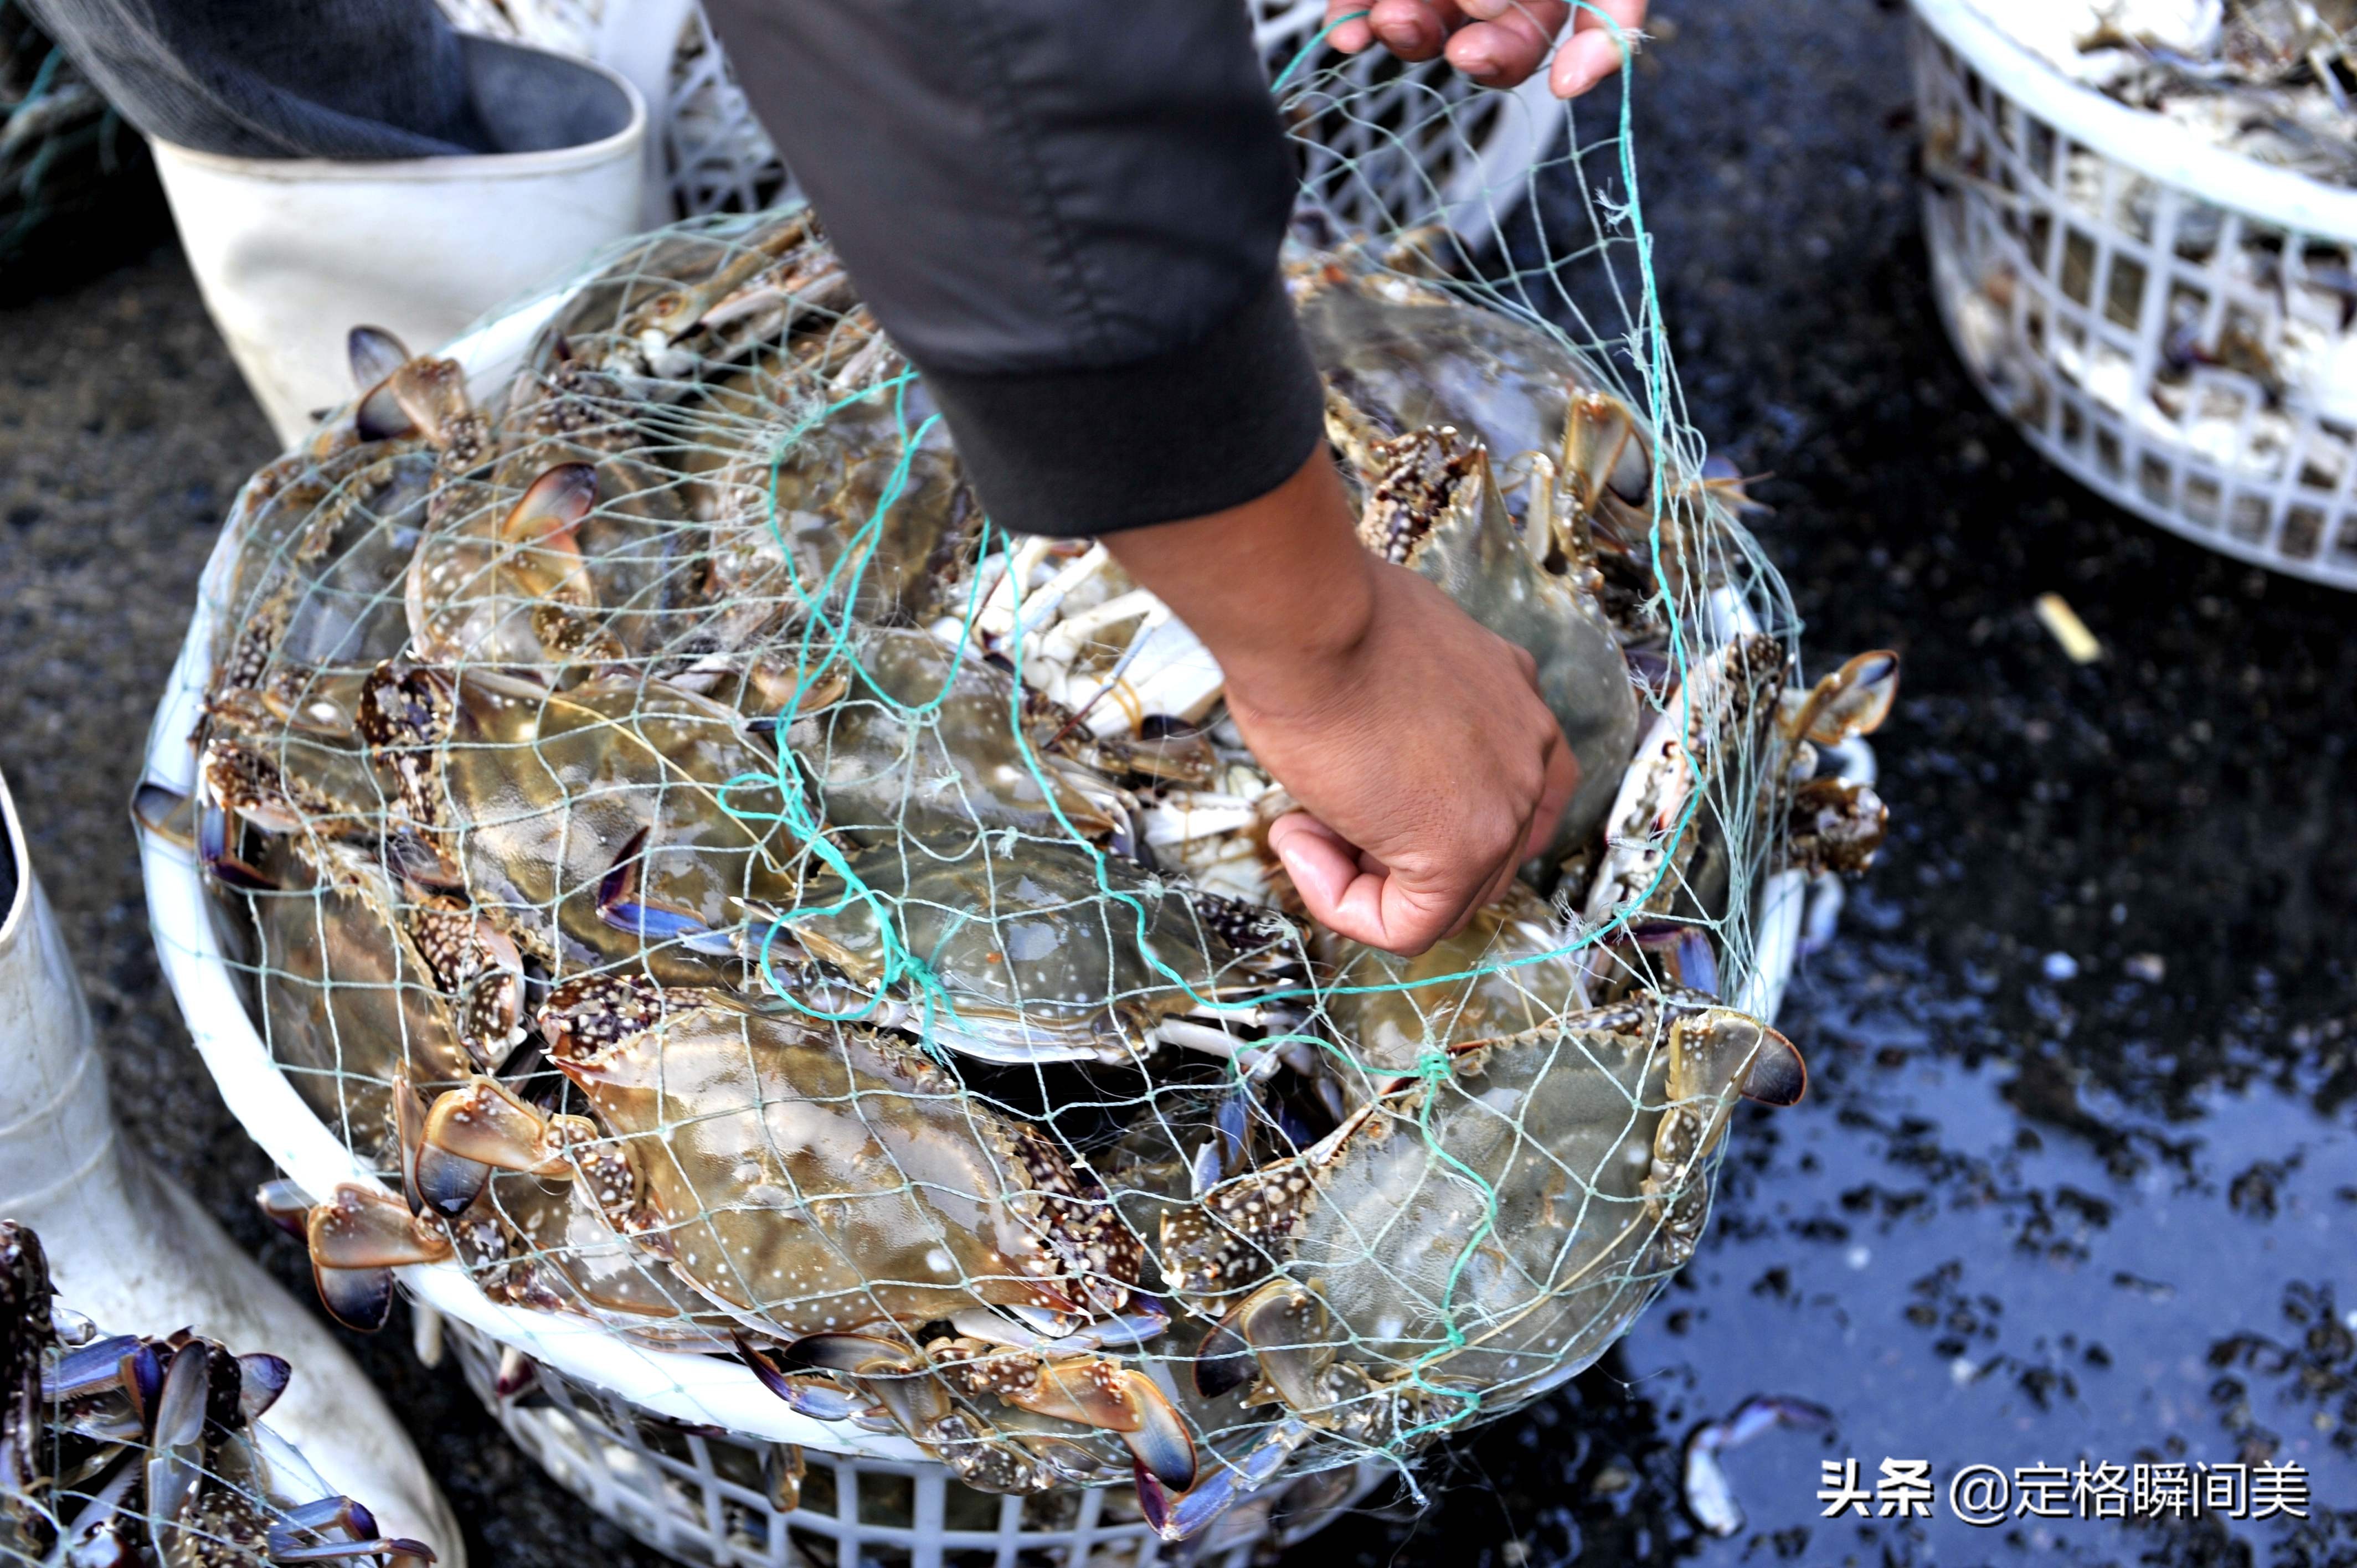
109 1388
176 1447
621 905
215 855
399 1549
482 1126
1047 1334
813 1397
261 1378
375 354
358 1237
284 1204
1176 1514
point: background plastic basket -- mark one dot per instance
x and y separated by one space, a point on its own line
717 159
2160 318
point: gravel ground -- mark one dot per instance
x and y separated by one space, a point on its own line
2076 1177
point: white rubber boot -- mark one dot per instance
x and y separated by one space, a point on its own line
136 1255
291 254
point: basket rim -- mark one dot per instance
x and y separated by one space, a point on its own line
2146 142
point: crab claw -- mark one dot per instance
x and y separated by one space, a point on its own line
621 905
852 1353
1291 1337
1720 1047
284 1204
375 354
215 855
398 1548
1777 1075
1185 1515
261 1378
1601 447
432 395
813 1396
552 507
409 1135
1113 1398
163 810
480 1126
91 1377
1853 700
358 1237
173 1468
319 1516
1223 1362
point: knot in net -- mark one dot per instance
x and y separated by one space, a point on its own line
740 898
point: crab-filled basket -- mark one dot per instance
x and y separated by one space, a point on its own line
2165 318
717 159
675 887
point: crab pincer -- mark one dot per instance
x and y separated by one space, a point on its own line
358 1237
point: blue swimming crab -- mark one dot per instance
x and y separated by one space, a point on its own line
1433 506
1023 951
827 1187
1468 1238
596 824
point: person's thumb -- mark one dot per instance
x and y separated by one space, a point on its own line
1351 894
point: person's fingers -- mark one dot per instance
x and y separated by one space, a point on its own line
1562 783
1350 37
1592 53
1413 29
1503 51
1331 874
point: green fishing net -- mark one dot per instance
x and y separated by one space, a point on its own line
740 898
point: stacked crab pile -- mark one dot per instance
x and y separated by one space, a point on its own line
139 1452
738 896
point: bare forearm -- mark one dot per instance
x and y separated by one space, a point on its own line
1413 739
1279 589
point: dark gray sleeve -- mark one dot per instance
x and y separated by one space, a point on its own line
277 78
1067 212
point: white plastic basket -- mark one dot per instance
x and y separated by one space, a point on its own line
2162 317
717 159
658 1441
710 1497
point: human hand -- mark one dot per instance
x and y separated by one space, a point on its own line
1498 43
1415 739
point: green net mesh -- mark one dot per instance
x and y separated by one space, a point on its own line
135 1452
62 148
740 897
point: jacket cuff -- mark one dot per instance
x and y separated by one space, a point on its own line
1217 424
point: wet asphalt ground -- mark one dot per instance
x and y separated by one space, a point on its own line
2076 1180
